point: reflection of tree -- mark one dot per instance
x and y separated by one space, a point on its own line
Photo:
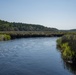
70 67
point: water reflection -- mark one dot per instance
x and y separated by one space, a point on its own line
70 67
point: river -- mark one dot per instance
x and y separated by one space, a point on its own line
32 56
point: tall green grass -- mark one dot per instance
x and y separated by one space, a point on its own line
67 45
4 37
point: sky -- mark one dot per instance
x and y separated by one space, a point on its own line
60 14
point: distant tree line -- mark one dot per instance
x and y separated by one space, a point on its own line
12 26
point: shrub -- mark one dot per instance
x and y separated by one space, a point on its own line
4 37
67 44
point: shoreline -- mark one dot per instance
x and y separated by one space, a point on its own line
26 34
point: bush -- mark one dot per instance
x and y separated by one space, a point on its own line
4 37
67 45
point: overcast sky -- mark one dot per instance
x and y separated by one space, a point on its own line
59 14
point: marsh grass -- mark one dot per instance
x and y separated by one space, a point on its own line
4 37
67 45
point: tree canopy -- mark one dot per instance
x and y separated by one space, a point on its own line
13 26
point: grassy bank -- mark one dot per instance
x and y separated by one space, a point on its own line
24 34
4 37
67 45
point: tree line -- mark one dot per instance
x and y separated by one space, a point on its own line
13 26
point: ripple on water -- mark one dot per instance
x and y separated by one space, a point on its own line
31 56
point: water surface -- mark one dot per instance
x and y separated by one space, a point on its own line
31 56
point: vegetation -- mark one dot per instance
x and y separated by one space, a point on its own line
4 37
18 30
9 26
67 45
23 34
